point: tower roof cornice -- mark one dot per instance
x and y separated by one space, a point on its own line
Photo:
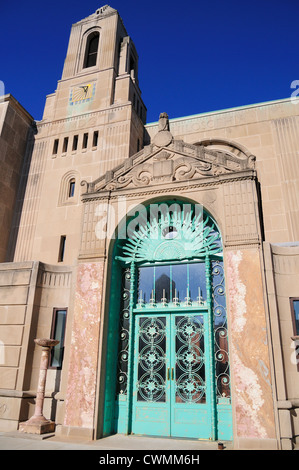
101 12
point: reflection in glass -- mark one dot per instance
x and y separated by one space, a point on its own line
163 284
296 315
59 329
183 284
146 283
197 281
179 276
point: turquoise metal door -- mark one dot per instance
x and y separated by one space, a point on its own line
171 385
190 374
151 393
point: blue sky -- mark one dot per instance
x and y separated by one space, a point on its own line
194 57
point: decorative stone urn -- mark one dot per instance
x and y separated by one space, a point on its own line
38 424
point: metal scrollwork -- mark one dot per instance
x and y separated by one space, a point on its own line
220 332
151 360
122 372
190 383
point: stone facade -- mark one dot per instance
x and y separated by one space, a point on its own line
16 131
79 172
81 136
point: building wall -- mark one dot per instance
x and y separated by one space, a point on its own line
268 131
15 127
45 211
248 205
282 276
29 291
18 324
229 197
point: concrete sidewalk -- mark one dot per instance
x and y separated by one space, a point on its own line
20 441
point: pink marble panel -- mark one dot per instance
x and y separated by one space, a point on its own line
252 391
81 388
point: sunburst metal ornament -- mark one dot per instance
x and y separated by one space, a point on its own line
172 235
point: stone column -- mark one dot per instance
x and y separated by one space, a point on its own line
38 424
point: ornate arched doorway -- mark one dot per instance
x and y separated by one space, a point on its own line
167 365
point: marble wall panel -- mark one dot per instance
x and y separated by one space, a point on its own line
252 389
81 388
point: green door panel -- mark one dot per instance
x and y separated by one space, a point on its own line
171 391
190 397
151 389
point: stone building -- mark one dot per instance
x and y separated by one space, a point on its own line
163 256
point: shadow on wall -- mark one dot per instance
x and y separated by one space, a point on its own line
21 194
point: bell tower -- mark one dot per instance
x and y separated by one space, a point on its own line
100 72
91 123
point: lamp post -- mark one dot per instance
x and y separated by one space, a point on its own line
38 424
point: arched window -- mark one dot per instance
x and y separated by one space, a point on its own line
72 183
68 193
91 51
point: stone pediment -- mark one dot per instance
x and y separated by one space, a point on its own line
168 160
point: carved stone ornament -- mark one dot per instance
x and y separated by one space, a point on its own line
164 136
167 160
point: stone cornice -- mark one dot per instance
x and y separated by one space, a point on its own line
170 187
82 116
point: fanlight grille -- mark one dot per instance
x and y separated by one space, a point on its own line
177 234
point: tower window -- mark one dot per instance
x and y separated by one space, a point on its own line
61 248
91 50
95 138
132 68
65 144
55 147
72 185
85 141
75 142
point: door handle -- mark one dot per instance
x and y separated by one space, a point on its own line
172 373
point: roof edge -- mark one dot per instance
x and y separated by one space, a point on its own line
226 110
